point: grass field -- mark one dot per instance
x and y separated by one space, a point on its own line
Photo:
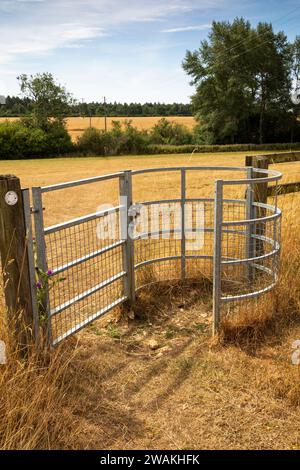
76 125
105 388
88 198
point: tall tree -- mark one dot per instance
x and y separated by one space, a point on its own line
272 68
242 75
50 101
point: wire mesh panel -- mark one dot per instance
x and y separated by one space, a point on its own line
87 264
97 261
157 236
83 259
248 247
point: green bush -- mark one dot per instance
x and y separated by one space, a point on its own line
58 140
170 133
166 149
94 142
20 140
120 140
127 139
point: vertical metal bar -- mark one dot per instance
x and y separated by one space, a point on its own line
217 259
183 202
31 262
125 223
261 196
41 250
276 235
249 228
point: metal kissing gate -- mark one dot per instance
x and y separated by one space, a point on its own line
98 261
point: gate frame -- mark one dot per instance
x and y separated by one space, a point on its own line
262 177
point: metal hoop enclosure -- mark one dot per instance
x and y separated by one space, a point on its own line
239 252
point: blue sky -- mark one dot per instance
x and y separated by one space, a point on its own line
127 50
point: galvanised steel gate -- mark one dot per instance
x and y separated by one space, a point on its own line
98 261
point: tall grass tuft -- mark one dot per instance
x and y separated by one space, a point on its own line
32 394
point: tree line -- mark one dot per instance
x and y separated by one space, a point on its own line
16 106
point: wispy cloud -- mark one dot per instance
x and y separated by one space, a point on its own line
100 47
180 29
40 26
39 42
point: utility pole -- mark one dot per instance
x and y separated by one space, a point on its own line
105 114
90 115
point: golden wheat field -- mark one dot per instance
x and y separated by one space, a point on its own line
76 125
105 388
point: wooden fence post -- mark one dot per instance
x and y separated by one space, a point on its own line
260 194
14 259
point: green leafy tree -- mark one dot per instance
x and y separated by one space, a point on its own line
243 79
50 101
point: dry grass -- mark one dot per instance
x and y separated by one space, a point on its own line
76 125
107 389
86 199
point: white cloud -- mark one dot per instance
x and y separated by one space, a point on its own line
39 26
76 31
37 41
180 29
127 68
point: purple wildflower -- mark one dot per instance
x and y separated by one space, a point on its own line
49 272
39 285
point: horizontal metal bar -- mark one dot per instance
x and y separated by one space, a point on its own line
249 260
265 269
171 258
157 232
188 168
273 243
263 205
187 230
80 220
163 201
71 184
87 257
251 221
154 260
199 256
86 293
232 261
268 179
192 199
88 320
249 295
272 174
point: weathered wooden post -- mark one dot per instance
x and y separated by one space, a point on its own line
125 220
15 266
260 194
